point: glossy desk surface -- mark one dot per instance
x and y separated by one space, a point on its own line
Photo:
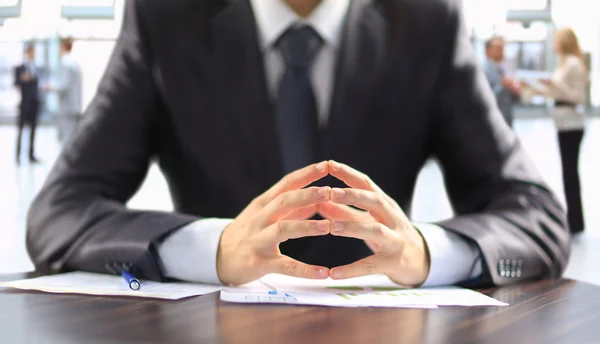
559 311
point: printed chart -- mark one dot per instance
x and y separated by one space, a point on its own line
368 291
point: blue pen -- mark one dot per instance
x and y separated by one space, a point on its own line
132 282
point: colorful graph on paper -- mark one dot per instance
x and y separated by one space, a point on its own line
379 292
374 290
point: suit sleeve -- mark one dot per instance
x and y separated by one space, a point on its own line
79 220
64 79
499 199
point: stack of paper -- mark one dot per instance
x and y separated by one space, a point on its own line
368 291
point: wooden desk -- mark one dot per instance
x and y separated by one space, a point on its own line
561 311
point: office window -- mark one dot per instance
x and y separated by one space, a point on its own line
526 5
9 3
526 47
90 28
88 3
90 9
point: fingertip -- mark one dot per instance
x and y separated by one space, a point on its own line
322 167
335 273
337 227
337 194
315 272
334 166
324 193
323 273
323 227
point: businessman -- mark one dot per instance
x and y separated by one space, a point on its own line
27 81
68 88
274 122
506 89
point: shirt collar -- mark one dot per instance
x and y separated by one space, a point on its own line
493 62
273 17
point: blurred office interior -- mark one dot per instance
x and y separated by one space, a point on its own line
526 25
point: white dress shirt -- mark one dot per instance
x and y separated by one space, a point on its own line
30 67
190 254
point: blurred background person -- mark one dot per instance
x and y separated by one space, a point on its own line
27 80
68 86
506 89
568 88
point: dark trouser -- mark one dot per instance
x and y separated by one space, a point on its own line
570 142
32 123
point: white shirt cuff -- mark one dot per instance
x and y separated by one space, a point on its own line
453 259
190 253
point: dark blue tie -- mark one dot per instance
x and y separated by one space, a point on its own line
295 108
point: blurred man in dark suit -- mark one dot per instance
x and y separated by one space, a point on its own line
245 103
27 80
506 89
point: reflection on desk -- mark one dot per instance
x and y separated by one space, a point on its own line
559 311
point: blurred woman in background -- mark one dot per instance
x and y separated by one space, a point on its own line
568 88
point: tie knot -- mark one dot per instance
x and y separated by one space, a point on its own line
299 45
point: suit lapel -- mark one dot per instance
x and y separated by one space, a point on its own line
234 41
359 69
244 89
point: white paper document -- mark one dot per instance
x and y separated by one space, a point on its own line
531 76
368 291
316 299
99 284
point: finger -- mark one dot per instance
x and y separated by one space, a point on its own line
339 212
287 266
304 213
373 202
373 232
285 230
297 180
356 179
351 177
368 266
287 202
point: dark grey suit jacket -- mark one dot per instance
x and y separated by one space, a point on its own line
186 87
